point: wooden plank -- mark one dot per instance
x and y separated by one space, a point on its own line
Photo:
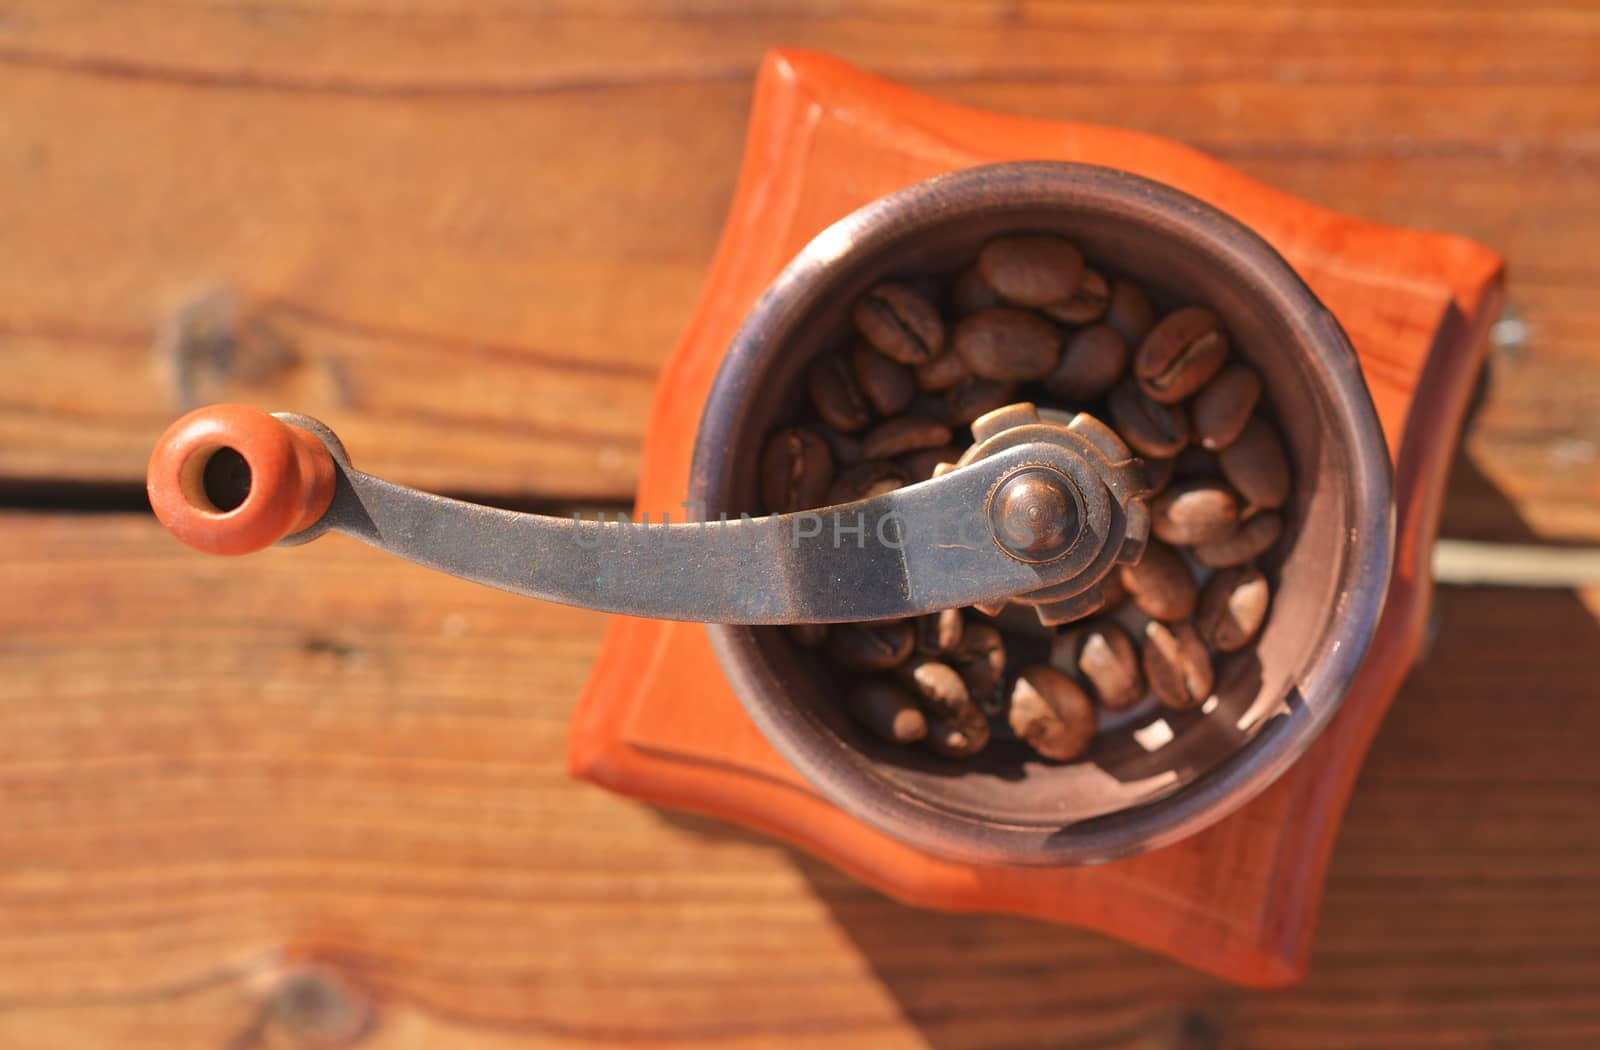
447 229
214 771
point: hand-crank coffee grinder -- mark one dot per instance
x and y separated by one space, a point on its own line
1041 508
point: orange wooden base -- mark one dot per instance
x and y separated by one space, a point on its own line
658 721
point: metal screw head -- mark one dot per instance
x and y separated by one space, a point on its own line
1034 515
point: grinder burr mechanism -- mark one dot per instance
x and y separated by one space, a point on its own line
1040 510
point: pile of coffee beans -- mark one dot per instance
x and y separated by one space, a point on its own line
1030 321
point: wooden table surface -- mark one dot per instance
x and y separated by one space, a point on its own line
314 796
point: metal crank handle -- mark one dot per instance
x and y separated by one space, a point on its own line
1035 516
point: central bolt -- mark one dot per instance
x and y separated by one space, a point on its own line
1034 515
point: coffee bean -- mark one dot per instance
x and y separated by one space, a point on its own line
869 478
837 396
903 434
1129 312
971 398
939 633
1176 664
1256 466
887 709
943 697
919 465
951 742
1151 427
1007 344
1191 512
1254 538
796 470
1092 362
1180 354
808 635
970 294
1223 406
1233 605
1051 713
900 324
1087 303
940 691
876 646
981 661
887 385
1160 583
942 373
1104 656
1031 270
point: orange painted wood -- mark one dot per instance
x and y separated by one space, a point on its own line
657 720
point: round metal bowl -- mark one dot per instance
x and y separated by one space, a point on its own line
1158 776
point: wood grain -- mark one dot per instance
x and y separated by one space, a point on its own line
214 772
545 241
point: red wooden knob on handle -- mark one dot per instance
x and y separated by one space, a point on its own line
229 479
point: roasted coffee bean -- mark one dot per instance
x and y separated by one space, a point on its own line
904 434
1224 405
1233 605
971 398
982 641
939 633
940 691
837 396
1129 312
981 662
808 635
866 479
1180 354
899 324
1007 344
970 294
1051 713
796 470
1150 427
944 698
1255 537
919 465
1256 466
1031 270
877 646
946 739
888 385
1176 664
1091 363
1160 583
1192 512
887 709
942 373
1087 303
1104 656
